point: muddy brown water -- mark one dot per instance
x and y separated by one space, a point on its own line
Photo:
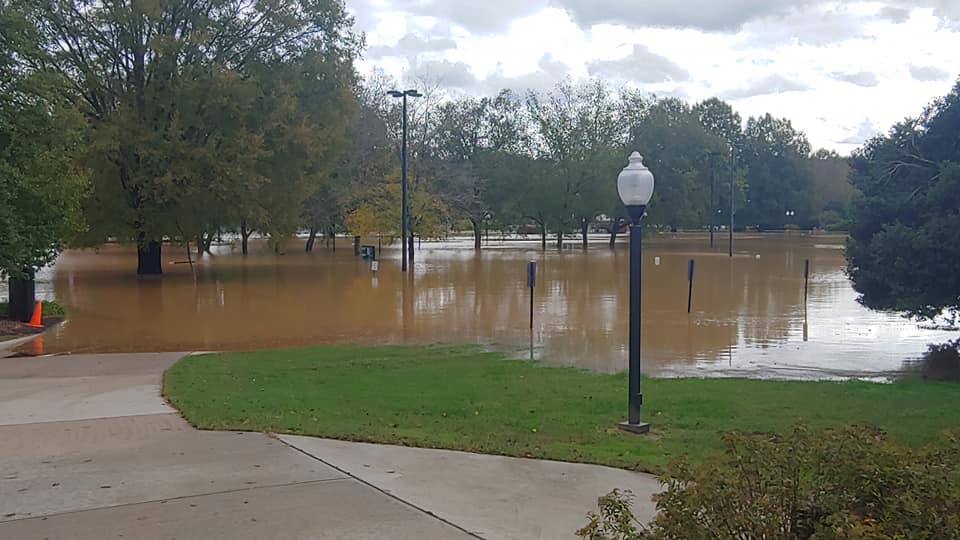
748 316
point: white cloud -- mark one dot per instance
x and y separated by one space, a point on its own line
641 65
486 16
771 84
864 132
443 73
411 45
859 78
928 73
825 64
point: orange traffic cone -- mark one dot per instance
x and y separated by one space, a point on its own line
37 318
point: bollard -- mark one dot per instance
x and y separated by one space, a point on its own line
689 285
806 282
531 283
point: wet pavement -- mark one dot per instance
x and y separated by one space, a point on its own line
89 450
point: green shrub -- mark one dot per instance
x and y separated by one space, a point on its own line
942 362
849 483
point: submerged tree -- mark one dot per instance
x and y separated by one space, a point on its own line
904 243
152 78
41 184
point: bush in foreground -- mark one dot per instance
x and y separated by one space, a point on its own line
850 483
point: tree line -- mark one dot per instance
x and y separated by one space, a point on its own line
546 162
167 120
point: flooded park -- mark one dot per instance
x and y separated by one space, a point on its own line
748 316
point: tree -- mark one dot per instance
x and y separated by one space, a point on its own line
148 74
475 141
41 184
579 130
905 237
718 118
460 148
676 148
779 178
832 192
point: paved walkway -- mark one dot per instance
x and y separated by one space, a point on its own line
89 449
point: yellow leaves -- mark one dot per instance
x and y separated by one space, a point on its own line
362 221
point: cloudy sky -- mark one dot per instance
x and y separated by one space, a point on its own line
841 70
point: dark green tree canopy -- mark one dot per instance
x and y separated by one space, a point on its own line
202 111
779 176
41 185
904 246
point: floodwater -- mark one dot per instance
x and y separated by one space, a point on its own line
748 315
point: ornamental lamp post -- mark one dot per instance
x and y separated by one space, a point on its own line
635 186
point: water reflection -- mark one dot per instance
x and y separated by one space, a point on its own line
748 315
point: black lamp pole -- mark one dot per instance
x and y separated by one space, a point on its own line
633 423
711 214
403 178
730 239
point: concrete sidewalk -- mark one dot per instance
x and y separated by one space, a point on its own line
89 449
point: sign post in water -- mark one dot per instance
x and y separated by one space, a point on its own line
531 283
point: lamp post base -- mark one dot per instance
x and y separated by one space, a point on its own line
639 428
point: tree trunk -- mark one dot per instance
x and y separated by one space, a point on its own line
356 245
244 236
208 242
559 240
333 240
614 227
148 256
311 239
411 246
543 237
584 226
476 233
22 297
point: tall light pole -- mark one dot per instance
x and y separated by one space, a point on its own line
712 214
403 178
732 175
635 186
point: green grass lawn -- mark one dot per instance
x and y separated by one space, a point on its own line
465 399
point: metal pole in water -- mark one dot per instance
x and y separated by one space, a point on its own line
730 239
806 282
689 285
711 219
403 189
531 283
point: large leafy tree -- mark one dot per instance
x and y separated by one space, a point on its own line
41 185
579 130
779 176
676 147
904 244
151 76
